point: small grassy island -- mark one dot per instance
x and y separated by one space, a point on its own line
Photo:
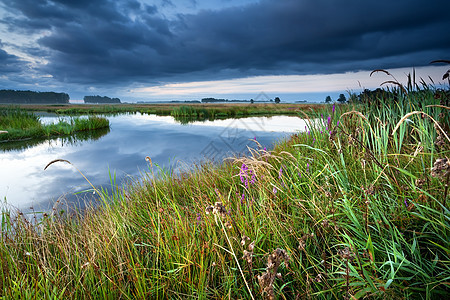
17 124
356 207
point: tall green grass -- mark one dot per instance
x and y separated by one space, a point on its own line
17 118
18 124
183 113
186 113
347 209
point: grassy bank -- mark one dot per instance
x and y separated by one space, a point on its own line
356 207
17 124
182 112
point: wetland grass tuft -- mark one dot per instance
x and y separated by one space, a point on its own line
17 124
358 212
183 113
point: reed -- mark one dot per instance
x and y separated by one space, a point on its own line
352 208
182 112
18 124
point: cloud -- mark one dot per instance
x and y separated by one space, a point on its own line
290 86
105 42
9 63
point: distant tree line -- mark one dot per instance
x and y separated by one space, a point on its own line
341 99
100 99
212 100
13 96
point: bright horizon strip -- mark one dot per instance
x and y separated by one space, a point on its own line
293 83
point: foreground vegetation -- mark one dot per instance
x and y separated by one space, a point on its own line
355 207
17 124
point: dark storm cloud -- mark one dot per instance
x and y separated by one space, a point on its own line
9 63
104 41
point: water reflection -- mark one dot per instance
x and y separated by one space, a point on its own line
72 140
121 151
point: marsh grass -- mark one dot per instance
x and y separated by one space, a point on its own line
190 113
349 209
183 113
18 124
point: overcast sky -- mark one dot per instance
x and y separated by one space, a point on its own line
186 50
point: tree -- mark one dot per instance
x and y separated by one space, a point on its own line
13 96
252 101
100 99
328 99
277 100
342 98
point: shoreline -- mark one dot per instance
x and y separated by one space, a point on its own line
168 108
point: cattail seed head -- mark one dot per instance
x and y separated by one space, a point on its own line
441 168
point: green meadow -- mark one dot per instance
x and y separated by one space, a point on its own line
18 124
356 207
181 112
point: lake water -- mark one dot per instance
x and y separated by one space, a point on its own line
121 150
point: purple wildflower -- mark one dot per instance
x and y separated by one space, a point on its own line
242 198
265 149
253 178
329 121
280 173
274 190
245 174
307 167
406 203
337 124
199 218
334 107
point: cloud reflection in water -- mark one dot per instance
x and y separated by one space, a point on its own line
121 151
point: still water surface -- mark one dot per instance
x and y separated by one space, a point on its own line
121 150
